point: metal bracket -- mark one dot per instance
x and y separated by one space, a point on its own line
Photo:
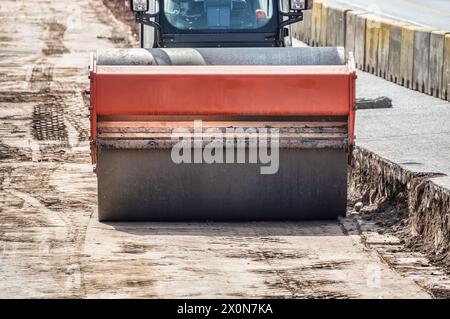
293 17
144 18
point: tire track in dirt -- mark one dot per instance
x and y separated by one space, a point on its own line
54 39
41 76
48 189
48 122
304 283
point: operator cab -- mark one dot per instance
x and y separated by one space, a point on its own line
218 15
216 23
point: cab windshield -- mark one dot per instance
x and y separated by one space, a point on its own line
218 14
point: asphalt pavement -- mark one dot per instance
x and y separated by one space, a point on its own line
414 133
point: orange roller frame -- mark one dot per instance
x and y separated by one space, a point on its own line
223 90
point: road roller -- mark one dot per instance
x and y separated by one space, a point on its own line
220 115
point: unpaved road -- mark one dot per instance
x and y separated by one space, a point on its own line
51 244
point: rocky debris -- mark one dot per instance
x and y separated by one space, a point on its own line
359 206
382 102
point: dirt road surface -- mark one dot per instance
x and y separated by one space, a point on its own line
51 244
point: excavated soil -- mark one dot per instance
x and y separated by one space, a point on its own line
407 204
403 212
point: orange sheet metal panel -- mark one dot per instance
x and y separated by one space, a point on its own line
222 90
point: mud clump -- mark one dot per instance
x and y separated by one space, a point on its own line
15 153
41 77
113 39
54 41
5 39
267 255
133 248
21 97
138 282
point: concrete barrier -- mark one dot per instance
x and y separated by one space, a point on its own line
395 48
316 23
415 57
302 30
383 48
407 56
350 24
323 25
446 70
305 28
373 26
336 26
295 29
421 78
360 41
437 41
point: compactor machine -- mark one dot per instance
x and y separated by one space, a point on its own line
220 115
